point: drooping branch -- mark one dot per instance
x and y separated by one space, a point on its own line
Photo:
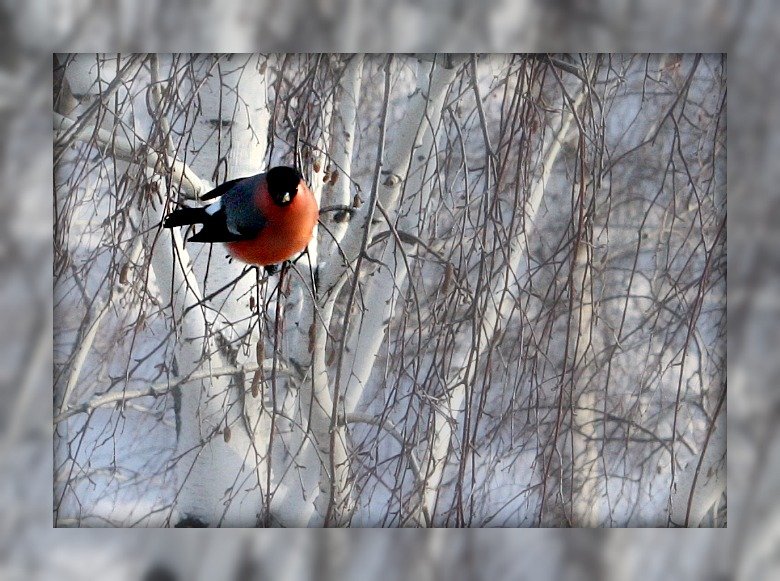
447 414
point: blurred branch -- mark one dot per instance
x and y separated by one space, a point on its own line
387 426
446 61
711 473
121 147
162 388
96 313
569 68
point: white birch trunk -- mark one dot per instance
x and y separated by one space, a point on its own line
414 135
218 467
341 151
315 395
307 337
702 482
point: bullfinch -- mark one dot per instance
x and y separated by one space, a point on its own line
263 219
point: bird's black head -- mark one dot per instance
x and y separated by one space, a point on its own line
283 184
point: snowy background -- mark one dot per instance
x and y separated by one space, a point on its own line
537 336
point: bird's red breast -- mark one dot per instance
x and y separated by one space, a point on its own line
287 231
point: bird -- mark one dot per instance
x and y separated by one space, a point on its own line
263 220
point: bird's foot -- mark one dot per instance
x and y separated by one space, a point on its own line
272 269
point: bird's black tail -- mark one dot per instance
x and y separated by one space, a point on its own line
215 228
185 217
